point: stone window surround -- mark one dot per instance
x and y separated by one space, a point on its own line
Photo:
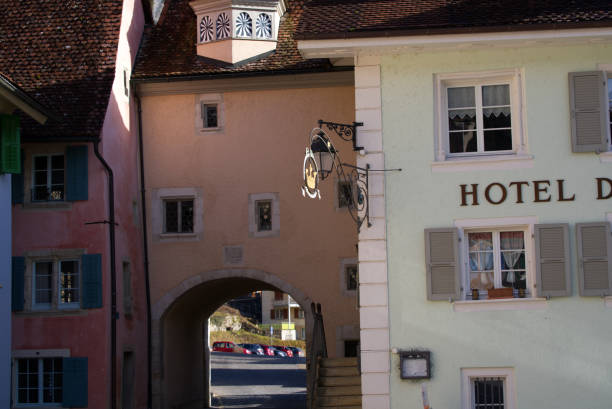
255 197
209 99
506 373
157 213
28 165
343 282
54 255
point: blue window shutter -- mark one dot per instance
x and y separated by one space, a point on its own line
75 382
18 272
76 173
91 270
17 185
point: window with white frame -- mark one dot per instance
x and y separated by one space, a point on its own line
264 214
209 115
48 178
38 381
178 215
488 388
496 260
59 277
479 114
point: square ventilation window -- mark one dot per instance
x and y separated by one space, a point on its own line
233 255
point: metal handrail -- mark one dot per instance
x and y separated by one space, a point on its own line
318 350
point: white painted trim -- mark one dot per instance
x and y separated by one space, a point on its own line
514 78
386 45
499 162
510 304
509 385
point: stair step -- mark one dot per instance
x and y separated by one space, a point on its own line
350 390
340 381
342 401
339 371
336 362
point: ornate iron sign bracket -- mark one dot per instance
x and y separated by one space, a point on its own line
322 159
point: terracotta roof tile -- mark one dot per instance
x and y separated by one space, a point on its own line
62 53
352 18
169 49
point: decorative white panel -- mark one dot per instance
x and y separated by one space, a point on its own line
207 31
244 25
223 26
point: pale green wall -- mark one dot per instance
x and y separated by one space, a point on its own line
562 355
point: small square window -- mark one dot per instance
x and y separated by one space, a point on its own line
352 282
178 216
344 194
488 388
488 393
210 116
263 213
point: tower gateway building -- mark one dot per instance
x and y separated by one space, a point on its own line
491 284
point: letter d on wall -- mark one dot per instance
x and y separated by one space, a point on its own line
600 188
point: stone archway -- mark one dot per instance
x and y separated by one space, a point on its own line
207 290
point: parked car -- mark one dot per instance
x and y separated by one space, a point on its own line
297 352
254 349
268 350
278 352
228 346
286 350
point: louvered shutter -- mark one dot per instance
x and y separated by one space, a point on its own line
17 184
285 314
552 260
594 253
443 269
91 269
76 173
588 104
10 148
296 313
17 283
75 383
272 314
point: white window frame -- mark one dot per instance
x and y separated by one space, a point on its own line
517 157
525 224
253 199
56 287
179 201
209 99
49 171
158 215
39 355
469 374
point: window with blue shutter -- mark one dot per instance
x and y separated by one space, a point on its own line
91 269
17 284
75 383
10 157
76 173
17 185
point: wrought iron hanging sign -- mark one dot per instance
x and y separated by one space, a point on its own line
322 159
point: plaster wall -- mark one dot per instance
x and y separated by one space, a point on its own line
561 352
259 150
5 289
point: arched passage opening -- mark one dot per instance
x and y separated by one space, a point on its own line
181 369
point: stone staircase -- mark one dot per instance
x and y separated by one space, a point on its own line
339 384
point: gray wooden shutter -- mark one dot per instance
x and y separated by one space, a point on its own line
17 283
91 270
552 260
75 383
76 173
588 104
442 264
594 253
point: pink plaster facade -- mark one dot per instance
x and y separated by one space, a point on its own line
56 227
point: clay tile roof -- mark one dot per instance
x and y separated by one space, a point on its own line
62 53
361 18
169 49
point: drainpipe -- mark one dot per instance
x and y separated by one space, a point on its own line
113 270
146 254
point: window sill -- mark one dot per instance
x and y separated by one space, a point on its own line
178 237
51 313
492 162
608 302
211 130
503 304
605 157
47 205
